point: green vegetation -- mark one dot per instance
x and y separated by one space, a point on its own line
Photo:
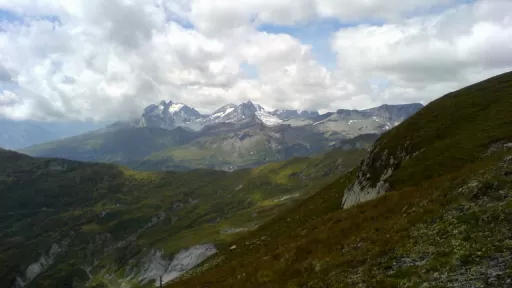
122 146
107 218
445 224
450 132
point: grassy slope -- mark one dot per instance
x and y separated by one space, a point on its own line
452 131
121 146
446 222
44 201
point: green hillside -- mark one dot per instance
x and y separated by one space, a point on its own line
451 132
123 145
68 223
442 218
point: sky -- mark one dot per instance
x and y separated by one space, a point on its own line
99 60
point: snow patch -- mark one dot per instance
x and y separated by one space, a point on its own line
36 268
268 119
223 113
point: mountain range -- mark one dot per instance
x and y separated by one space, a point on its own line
175 136
170 115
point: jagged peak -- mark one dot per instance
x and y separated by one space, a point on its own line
165 103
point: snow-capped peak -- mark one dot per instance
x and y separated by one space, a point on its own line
170 115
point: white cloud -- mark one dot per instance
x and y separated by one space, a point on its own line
108 59
425 56
217 16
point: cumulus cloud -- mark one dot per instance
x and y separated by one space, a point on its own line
106 60
217 16
5 75
420 58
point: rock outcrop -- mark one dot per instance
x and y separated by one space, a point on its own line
371 181
155 265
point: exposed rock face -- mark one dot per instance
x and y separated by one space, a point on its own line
154 265
188 259
371 179
168 115
36 268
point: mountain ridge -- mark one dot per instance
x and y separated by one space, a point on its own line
247 110
233 137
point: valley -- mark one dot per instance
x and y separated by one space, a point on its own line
68 222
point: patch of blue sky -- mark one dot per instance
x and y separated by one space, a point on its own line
250 71
438 8
316 33
183 22
9 16
379 84
14 17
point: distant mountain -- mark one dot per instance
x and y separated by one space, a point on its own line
374 120
16 134
169 115
363 141
19 134
172 135
291 114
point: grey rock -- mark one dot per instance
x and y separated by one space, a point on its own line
363 189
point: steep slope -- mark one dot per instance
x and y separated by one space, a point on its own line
443 218
70 223
363 141
447 134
